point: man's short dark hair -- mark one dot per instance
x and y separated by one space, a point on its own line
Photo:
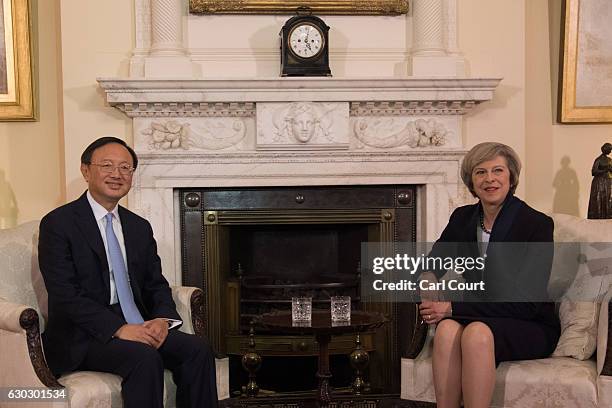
96 144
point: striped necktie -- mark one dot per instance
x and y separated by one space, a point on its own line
124 292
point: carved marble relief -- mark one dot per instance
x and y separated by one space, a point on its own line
463 197
208 134
302 125
390 132
217 134
168 135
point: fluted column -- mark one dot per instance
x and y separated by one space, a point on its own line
434 39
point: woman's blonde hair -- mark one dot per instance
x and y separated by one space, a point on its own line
488 151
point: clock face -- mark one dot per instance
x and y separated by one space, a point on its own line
306 41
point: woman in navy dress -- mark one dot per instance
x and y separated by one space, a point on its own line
473 337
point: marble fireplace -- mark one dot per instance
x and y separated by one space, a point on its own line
293 132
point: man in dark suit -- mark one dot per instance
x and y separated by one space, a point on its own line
110 308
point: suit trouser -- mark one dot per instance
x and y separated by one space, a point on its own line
188 357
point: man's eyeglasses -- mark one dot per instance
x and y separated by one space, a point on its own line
124 169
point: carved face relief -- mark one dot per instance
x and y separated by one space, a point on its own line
302 122
303 126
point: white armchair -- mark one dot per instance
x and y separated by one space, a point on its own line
572 377
23 305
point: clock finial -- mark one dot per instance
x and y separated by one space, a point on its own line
303 11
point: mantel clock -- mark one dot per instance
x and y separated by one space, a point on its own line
305 47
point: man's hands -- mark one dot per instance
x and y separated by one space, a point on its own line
152 332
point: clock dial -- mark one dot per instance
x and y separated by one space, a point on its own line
306 41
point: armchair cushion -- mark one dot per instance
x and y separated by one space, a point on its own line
556 381
579 308
417 375
89 388
602 332
604 385
21 279
536 383
578 330
92 389
574 229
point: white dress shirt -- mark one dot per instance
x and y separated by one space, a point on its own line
100 215
483 240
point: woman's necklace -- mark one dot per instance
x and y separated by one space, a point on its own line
482 224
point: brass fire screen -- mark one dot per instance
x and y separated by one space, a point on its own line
252 249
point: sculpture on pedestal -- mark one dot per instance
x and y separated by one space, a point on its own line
600 201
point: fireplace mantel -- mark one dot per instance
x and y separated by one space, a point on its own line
295 132
187 97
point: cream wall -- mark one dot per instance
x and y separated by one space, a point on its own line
359 46
549 142
31 152
516 40
77 42
492 37
97 39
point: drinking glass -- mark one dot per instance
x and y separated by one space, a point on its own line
301 309
341 308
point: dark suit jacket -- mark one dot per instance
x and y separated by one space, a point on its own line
516 281
75 270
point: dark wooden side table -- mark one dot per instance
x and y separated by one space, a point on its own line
322 328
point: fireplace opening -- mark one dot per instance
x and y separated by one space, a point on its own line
273 263
252 249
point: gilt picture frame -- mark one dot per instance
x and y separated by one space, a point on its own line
586 89
16 78
317 7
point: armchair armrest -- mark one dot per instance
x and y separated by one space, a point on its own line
412 332
604 336
10 314
20 336
190 306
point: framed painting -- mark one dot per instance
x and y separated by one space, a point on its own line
317 7
586 82
16 80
